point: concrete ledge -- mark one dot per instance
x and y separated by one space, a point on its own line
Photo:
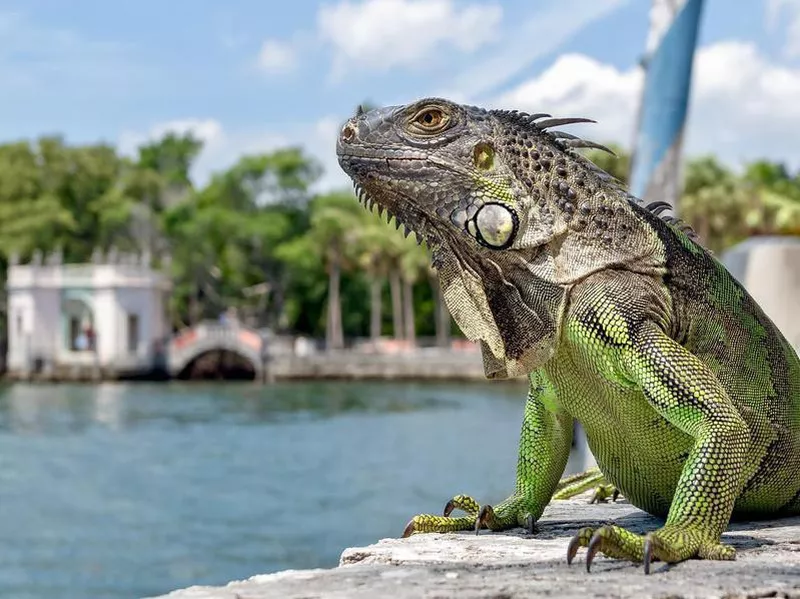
349 365
515 564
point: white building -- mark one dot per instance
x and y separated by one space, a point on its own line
109 314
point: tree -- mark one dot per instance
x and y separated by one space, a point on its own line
171 157
774 177
223 237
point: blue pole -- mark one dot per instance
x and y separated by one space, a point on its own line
655 165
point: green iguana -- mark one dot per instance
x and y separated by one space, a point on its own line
688 393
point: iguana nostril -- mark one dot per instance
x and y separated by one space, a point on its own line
348 132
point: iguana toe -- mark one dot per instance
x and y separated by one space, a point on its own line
431 523
465 503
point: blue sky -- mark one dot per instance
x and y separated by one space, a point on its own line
250 75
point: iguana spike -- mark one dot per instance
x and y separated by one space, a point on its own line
564 135
569 120
538 115
585 143
359 110
658 207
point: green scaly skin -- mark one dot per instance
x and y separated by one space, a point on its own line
687 392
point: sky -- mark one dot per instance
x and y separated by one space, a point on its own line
250 76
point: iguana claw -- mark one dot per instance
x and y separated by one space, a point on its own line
648 554
409 529
530 523
485 518
591 551
574 544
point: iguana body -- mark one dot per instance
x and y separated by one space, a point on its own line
688 393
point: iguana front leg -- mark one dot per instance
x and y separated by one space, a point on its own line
544 447
686 393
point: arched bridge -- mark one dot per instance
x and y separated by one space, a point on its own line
212 337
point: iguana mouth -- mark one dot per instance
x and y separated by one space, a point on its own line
405 214
367 156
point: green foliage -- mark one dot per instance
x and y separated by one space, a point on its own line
171 157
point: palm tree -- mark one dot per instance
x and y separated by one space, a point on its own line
414 264
374 256
442 320
336 223
395 248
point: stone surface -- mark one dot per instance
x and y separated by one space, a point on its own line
515 564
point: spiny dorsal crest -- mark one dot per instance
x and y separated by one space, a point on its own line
539 124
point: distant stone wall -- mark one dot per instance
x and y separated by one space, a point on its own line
420 364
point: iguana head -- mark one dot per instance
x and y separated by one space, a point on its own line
512 214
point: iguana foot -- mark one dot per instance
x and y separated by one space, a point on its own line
603 492
672 543
507 514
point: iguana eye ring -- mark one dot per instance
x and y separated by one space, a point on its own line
495 225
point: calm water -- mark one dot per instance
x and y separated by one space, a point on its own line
121 491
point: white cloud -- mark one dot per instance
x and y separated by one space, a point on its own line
276 57
743 107
382 34
788 13
542 33
577 85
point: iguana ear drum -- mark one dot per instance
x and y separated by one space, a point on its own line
495 225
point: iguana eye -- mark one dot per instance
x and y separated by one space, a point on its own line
430 120
495 226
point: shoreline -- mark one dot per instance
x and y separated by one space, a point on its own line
424 364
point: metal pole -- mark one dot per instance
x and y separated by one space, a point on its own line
655 163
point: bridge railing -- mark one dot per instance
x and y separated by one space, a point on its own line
210 335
